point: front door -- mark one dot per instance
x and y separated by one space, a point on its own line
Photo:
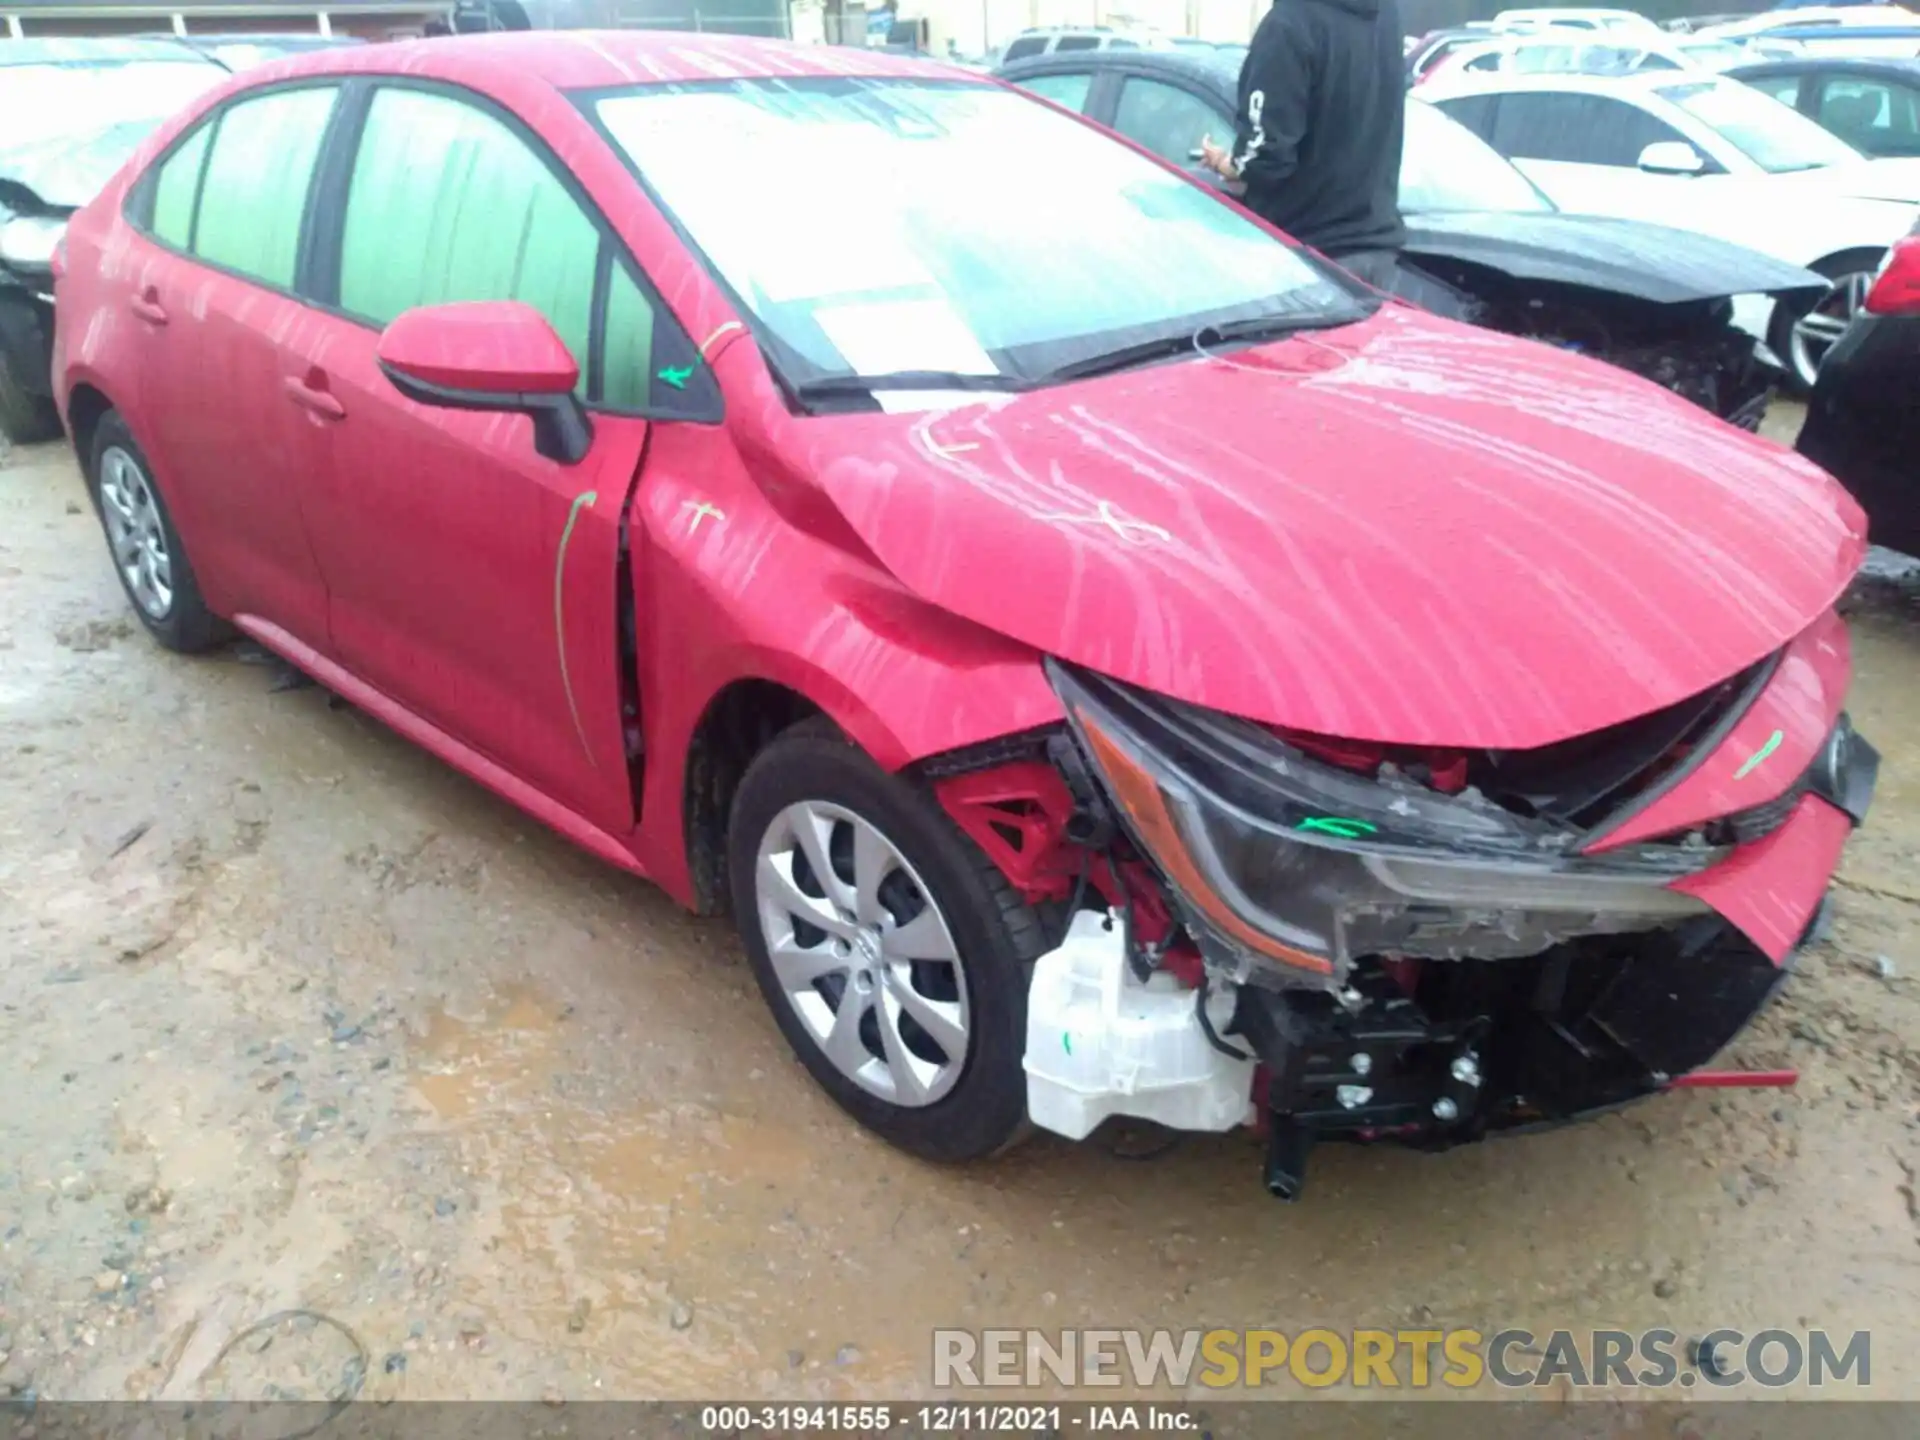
1171 121
470 578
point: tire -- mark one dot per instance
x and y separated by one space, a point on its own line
1851 274
143 544
25 418
975 1103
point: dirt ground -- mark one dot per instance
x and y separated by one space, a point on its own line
294 1017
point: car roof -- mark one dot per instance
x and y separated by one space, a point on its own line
1890 66
1210 68
592 59
1494 82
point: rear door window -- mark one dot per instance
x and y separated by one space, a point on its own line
1025 47
253 194
1068 90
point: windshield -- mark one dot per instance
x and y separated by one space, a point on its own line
884 226
1775 137
1445 166
65 128
1714 54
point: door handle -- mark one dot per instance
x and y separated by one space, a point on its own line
313 398
148 307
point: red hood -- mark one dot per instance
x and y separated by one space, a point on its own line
1406 531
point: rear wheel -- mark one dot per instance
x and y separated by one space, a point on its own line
894 955
1801 335
147 554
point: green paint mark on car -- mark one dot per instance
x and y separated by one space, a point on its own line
1759 757
1066 1041
676 376
1338 826
580 502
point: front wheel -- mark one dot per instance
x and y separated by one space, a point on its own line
894 955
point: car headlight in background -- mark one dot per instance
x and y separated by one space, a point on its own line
1298 867
28 241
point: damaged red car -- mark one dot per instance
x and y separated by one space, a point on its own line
1106 660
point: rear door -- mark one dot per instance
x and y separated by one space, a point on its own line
470 578
213 296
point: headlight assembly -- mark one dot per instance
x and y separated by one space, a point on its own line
28 241
1297 868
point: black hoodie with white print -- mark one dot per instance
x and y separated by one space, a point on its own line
1322 110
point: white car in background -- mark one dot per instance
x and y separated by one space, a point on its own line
1626 21
1569 52
1701 152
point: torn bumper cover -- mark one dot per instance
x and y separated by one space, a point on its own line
1418 952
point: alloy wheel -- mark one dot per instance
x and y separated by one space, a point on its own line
136 533
862 953
1820 329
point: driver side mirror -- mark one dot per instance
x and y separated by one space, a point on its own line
1672 157
497 355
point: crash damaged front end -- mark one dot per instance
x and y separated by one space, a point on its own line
1358 941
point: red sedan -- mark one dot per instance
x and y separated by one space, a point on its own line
1105 659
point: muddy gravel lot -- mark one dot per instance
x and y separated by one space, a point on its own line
293 1017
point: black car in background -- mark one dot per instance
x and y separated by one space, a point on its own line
1484 245
71 112
1872 104
1863 419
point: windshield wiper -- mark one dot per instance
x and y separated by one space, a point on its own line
830 386
1167 347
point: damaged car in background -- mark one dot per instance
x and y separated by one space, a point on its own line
1106 660
71 112
1707 154
1484 244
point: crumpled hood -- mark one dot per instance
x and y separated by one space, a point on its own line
1406 531
65 172
1626 257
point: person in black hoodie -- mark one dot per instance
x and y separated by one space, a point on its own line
1322 108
